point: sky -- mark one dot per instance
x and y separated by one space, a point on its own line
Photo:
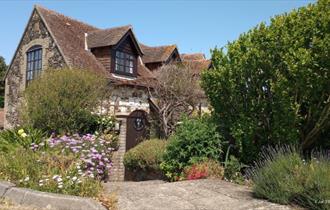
193 25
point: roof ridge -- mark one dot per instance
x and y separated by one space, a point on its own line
169 45
113 28
38 6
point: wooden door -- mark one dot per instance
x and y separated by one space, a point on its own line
137 128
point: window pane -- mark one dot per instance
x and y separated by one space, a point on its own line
124 62
39 54
39 64
29 76
34 63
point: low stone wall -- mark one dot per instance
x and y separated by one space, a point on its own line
39 199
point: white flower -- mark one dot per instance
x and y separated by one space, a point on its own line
78 166
79 181
21 180
74 178
91 175
41 181
26 179
60 186
55 176
59 179
46 180
68 177
41 184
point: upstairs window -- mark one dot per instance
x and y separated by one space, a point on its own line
34 63
124 63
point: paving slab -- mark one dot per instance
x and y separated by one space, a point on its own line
208 194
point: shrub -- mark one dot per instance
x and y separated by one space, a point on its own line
194 140
271 86
47 171
204 169
316 191
63 101
233 170
145 156
282 176
106 124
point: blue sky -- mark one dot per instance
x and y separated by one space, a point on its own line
195 26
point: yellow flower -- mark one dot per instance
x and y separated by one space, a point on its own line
23 135
20 131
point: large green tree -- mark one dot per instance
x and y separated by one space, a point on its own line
272 84
3 68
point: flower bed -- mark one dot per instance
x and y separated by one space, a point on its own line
73 165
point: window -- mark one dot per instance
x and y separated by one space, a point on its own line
124 63
34 63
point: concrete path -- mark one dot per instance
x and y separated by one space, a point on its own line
199 194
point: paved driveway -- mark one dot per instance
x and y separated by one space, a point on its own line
190 195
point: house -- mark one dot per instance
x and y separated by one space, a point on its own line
52 40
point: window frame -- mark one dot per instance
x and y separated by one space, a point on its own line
124 60
33 63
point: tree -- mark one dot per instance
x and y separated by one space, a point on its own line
272 86
173 95
3 69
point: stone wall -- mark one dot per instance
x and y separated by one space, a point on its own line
36 34
124 100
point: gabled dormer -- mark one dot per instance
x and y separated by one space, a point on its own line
117 49
155 57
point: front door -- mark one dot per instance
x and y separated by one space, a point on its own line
137 128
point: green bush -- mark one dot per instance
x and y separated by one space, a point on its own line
282 176
25 137
194 140
271 86
145 156
63 101
233 170
47 171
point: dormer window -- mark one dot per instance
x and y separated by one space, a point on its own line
34 63
124 63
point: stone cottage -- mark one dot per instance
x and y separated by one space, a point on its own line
52 40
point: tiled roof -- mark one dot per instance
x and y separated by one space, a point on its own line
197 66
69 34
157 54
194 56
107 37
70 37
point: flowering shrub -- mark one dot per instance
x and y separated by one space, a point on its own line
49 171
62 164
292 179
106 124
94 153
194 140
205 169
195 172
